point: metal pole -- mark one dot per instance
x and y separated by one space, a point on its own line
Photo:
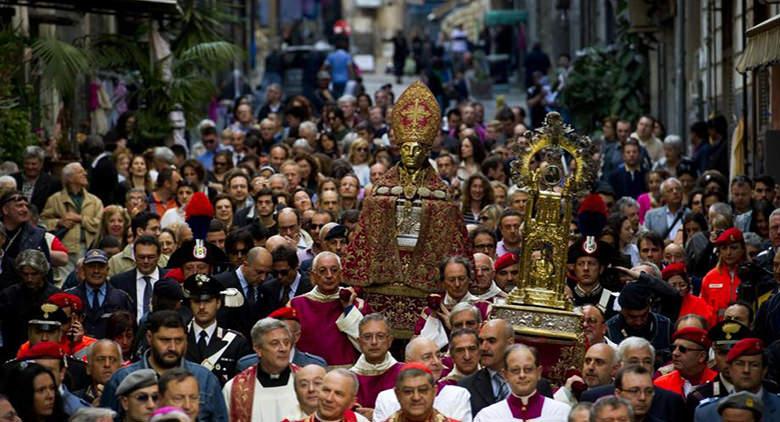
680 73
746 139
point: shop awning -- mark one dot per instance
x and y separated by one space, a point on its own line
129 7
763 46
505 17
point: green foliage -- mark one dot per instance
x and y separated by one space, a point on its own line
15 128
61 63
611 80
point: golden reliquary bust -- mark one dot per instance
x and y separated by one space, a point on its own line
408 222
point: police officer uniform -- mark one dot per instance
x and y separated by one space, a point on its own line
217 349
600 297
723 335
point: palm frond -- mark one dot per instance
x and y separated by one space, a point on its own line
60 62
214 55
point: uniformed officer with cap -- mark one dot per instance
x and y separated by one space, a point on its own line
743 406
198 257
590 258
723 335
216 348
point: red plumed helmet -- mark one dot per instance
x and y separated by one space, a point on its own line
199 206
592 215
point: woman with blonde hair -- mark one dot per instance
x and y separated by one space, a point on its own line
360 157
122 158
114 222
489 215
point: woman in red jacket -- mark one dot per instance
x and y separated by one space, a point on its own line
719 286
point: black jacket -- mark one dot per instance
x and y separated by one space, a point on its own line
273 290
242 319
45 186
226 366
481 389
666 406
103 181
18 305
126 282
95 319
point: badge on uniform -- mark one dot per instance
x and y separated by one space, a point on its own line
199 251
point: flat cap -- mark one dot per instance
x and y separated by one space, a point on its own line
338 231
742 400
137 379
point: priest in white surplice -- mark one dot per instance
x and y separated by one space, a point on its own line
522 372
266 391
451 401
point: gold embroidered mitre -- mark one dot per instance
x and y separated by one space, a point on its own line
416 116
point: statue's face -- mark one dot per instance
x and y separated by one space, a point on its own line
413 155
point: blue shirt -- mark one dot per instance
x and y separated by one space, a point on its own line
339 62
101 295
212 402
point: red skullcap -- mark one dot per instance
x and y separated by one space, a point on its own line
285 313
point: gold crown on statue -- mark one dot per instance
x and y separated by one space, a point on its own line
416 116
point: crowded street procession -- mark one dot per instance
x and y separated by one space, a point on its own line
314 220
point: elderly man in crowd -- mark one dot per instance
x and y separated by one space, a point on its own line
336 397
74 213
464 351
308 381
270 381
329 319
451 401
376 369
138 395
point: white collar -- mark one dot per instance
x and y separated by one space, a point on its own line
449 301
154 276
363 367
197 329
492 292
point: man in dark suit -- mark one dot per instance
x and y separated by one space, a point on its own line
103 178
248 279
629 178
290 316
287 282
35 184
216 348
101 298
139 282
487 386
666 406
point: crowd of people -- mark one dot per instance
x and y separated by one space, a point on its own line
205 283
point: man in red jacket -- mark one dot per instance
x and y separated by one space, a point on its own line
689 357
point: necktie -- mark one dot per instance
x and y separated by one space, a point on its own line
95 298
253 294
503 389
202 342
147 293
285 294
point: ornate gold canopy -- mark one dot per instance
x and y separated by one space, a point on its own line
416 116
